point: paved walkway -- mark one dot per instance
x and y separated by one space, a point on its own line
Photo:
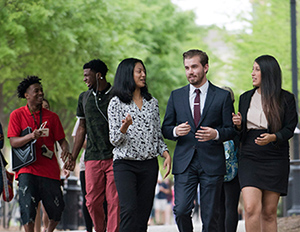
166 228
197 228
173 228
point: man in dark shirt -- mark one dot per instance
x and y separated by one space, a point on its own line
92 112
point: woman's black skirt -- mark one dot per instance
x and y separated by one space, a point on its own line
264 167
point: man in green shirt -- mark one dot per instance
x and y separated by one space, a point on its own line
92 112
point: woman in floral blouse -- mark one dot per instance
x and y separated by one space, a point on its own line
134 126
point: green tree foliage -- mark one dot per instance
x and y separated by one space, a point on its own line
53 39
37 39
269 32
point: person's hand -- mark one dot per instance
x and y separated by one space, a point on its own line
126 123
69 163
36 134
205 134
183 129
65 155
1 137
265 138
167 163
66 173
237 120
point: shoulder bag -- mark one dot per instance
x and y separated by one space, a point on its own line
25 155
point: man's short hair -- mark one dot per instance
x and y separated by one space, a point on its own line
230 91
96 66
195 52
23 86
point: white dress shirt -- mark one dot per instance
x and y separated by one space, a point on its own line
192 96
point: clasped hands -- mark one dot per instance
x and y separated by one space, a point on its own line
204 134
262 140
67 158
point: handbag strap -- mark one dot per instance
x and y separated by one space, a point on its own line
4 177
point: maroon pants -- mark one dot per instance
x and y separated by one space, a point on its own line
99 178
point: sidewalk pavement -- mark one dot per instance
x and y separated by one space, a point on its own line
197 227
173 228
164 228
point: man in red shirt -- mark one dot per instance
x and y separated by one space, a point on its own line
41 179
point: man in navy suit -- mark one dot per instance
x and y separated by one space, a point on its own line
199 153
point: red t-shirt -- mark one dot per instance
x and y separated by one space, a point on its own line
22 118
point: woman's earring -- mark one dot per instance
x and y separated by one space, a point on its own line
101 78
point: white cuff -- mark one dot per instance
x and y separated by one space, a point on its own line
174 132
218 136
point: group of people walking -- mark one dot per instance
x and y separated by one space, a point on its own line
123 134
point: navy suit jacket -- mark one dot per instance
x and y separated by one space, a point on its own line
217 114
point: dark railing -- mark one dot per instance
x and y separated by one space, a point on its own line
291 203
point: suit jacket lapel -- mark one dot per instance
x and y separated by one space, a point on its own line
246 105
209 99
186 105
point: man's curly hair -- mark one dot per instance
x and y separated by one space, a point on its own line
23 86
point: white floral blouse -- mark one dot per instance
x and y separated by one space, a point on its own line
143 139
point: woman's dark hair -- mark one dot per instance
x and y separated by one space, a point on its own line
271 79
23 86
124 84
45 100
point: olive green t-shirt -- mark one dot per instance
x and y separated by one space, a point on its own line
98 146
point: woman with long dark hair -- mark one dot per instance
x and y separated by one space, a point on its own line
134 129
266 120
